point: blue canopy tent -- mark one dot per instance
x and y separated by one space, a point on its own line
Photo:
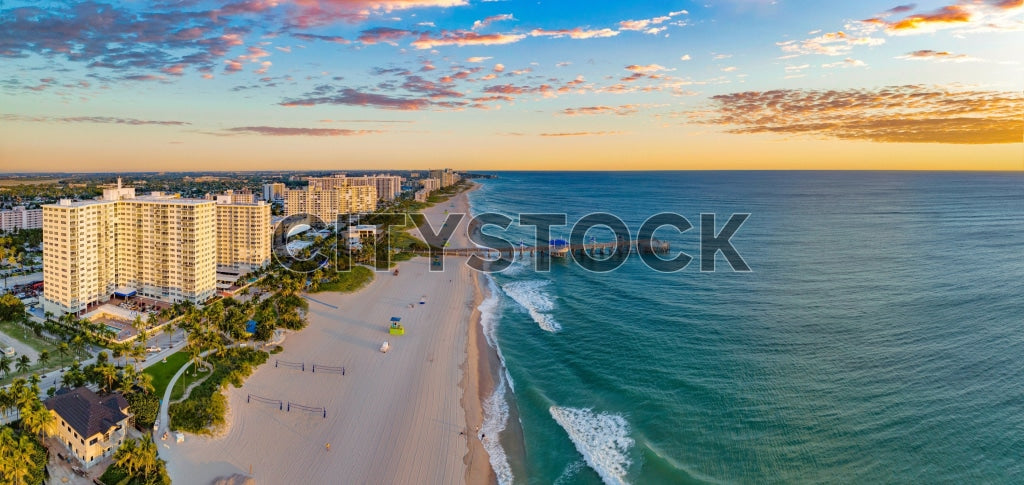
250 326
125 292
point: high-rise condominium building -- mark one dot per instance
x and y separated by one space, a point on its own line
388 186
431 184
243 236
272 192
159 246
327 183
327 204
21 218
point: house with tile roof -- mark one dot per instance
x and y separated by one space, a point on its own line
91 426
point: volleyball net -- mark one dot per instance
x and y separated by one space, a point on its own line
265 400
308 409
329 369
294 365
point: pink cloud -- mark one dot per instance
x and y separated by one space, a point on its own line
463 38
576 33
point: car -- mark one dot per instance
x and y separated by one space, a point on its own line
153 348
156 425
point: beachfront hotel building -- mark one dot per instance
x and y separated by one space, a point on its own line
328 201
21 218
158 246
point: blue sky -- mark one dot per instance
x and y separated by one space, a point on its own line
500 84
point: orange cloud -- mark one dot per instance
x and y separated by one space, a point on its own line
646 69
576 33
948 14
463 38
937 56
320 12
895 114
582 133
284 131
626 109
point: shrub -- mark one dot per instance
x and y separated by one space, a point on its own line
206 405
144 407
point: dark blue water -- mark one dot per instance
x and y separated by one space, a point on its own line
878 339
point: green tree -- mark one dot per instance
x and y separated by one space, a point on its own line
17 460
5 364
44 358
38 420
144 408
23 364
63 349
11 308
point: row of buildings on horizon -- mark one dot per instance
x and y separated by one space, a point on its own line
173 249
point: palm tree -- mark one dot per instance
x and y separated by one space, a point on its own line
38 420
169 332
138 354
24 363
108 373
63 350
43 358
126 379
77 345
5 364
18 460
145 383
147 459
126 456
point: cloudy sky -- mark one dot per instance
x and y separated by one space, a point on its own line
491 84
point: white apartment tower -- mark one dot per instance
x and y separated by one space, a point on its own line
162 247
243 235
328 203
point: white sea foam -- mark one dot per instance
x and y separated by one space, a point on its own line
570 472
495 419
495 407
602 438
531 295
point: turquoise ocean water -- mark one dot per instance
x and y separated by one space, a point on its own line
878 339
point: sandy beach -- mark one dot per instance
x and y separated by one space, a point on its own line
407 416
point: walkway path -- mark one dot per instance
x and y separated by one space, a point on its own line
165 403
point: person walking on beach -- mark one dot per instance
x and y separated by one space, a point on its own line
327 446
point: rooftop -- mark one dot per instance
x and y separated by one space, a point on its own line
86 412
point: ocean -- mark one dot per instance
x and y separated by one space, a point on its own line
879 337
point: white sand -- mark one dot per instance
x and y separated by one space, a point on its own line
393 418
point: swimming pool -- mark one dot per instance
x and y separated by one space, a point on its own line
117 331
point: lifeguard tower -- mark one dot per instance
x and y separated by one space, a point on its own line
396 326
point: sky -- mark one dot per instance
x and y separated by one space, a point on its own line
164 85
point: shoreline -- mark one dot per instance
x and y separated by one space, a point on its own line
477 384
482 374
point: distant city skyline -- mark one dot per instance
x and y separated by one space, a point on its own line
245 85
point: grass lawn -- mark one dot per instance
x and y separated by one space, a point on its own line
186 380
162 372
350 281
19 333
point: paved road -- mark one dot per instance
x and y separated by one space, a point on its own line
20 280
52 379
